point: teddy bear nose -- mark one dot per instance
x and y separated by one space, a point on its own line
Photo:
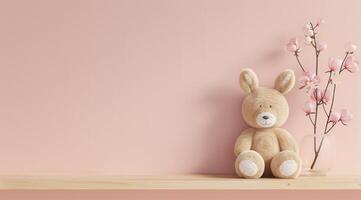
265 117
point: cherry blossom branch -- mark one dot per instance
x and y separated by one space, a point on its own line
333 93
310 81
317 52
327 130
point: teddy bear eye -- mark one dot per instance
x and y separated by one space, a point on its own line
270 106
260 106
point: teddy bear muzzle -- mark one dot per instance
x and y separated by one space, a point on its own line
266 119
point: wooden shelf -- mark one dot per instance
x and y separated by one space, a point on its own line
175 182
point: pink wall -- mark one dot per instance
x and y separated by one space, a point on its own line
122 87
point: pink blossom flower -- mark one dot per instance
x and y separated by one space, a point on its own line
334 64
346 116
326 96
320 96
309 80
316 95
350 48
309 107
320 21
308 40
321 46
335 117
309 33
351 65
293 46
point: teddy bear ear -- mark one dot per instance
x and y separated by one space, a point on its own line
285 81
248 80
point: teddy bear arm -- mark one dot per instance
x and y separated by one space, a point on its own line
286 141
244 141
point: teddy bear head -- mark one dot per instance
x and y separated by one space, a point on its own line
265 107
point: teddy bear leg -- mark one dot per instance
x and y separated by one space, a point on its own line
286 164
249 164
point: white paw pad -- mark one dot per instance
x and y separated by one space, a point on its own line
288 167
248 168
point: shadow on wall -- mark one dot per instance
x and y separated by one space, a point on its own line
224 127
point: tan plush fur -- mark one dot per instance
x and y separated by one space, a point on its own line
265 149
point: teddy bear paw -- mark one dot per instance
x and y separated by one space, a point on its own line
288 167
248 168
249 164
286 164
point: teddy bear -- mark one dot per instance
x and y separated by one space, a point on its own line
264 149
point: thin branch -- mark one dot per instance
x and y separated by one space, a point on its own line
313 123
313 44
317 52
299 63
324 109
328 83
330 128
331 106
343 63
